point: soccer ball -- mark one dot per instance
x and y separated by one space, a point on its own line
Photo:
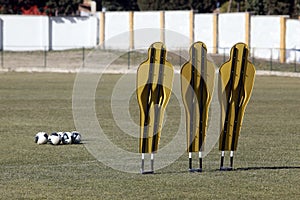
61 134
76 137
41 138
67 138
54 138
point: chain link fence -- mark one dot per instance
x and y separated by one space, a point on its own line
130 59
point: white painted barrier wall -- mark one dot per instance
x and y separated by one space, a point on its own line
73 32
177 25
1 34
231 28
265 34
117 30
293 40
25 33
203 30
146 29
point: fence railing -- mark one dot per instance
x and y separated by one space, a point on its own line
263 59
269 58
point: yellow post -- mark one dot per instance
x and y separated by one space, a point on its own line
191 27
131 32
215 33
102 28
162 26
247 28
282 38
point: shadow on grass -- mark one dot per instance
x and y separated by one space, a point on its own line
173 172
267 168
235 169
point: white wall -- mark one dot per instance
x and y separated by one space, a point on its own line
1 34
203 30
293 40
177 25
146 29
42 32
116 30
25 32
73 32
265 34
231 29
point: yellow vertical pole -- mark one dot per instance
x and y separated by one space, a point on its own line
215 33
131 32
191 27
102 28
282 38
247 28
162 26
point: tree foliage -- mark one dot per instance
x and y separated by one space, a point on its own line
274 7
70 7
204 6
62 7
48 7
120 5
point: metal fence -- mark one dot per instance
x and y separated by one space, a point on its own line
129 59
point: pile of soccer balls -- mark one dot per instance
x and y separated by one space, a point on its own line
56 138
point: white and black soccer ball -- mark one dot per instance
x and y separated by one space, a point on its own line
76 137
54 138
60 134
67 138
41 138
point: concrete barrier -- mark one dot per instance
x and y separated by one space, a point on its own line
268 37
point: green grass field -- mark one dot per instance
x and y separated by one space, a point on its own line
267 159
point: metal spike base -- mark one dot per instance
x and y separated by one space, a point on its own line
230 168
147 172
226 168
195 170
190 163
143 165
